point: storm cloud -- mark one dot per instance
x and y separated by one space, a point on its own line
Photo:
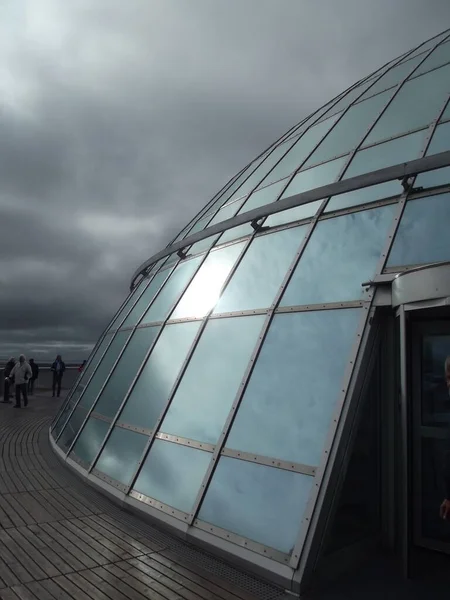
120 120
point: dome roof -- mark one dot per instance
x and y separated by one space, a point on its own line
214 398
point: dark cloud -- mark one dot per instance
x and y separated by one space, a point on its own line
120 120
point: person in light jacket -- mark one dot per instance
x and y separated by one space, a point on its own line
21 373
58 368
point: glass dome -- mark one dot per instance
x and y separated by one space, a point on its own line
214 397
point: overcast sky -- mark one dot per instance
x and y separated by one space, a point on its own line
120 119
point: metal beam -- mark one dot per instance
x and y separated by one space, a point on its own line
399 171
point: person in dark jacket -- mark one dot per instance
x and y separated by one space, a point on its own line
33 378
7 384
445 506
58 368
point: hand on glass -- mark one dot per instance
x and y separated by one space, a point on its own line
445 509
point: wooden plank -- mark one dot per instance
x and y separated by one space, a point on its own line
146 588
124 588
47 552
35 513
58 511
24 593
74 549
88 586
93 544
21 555
5 521
40 591
166 575
127 534
71 588
56 497
9 483
112 592
116 541
53 588
164 586
76 540
69 558
14 565
8 594
15 512
7 574
190 571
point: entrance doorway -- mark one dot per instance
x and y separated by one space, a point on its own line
430 439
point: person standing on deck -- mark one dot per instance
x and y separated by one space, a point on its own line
21 373
58 368
33 378
8 382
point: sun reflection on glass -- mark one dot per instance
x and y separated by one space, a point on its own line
204 291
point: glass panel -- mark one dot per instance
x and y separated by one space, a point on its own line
393 77
227 212
294 159
257 502
416 105
72 428
261 271
125 371
446 113
430 43
264 196
342 253
146 298
293 214
87 372
289 402
173 474
351 96
171 260
206 392
152 389
129 303
88 444
262 170
390 153
440 142
349 131
104 368
438 57
205 288
199 225
435 400
369 194
426 220
315 177
358 513
172 290
121 454
235 233
433 178
203 245
235 187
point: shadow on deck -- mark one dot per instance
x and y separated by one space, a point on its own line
61 539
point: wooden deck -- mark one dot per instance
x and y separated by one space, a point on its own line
60 539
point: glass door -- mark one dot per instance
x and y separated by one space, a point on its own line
430 440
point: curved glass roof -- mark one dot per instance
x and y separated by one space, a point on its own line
213 395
